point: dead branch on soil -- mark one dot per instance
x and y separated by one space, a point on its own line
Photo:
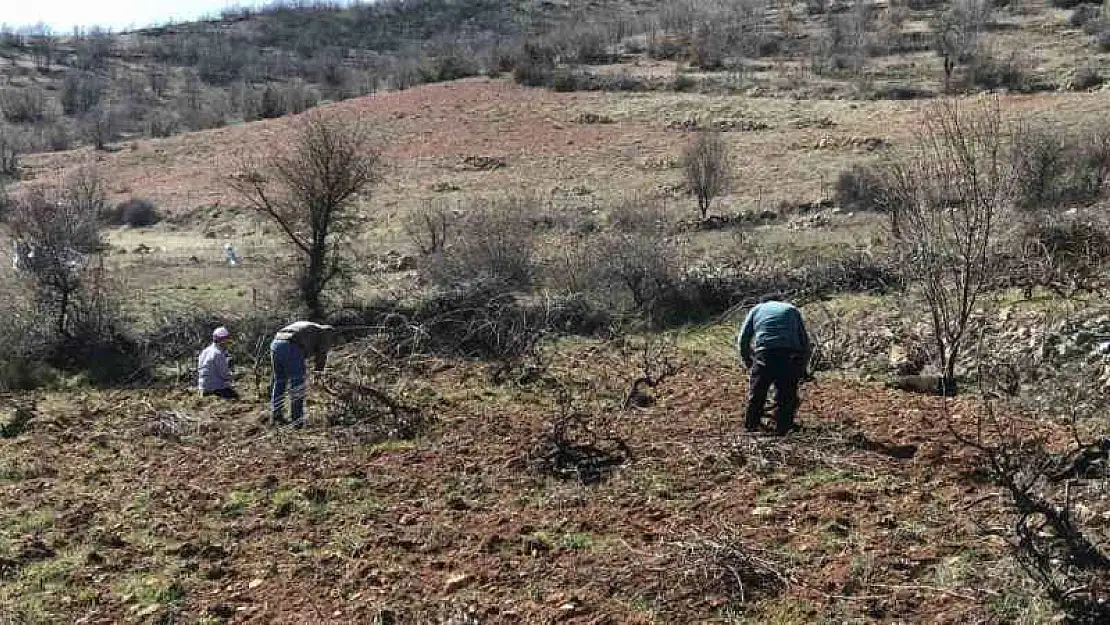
372 413
811 448
1048 537
174 425
657 357
572 447
16 418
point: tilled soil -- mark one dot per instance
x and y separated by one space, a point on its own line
154 505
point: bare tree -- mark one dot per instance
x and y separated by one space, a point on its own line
952 190
310 192
58 229
706 162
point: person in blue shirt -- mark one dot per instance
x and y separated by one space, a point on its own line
774 345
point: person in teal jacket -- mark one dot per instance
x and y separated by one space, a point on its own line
774 345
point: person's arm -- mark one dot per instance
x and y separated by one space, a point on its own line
323 342
223 369
744 340
803 336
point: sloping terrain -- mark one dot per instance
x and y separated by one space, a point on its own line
158 506
609 145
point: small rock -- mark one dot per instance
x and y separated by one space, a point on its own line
255 583
456 582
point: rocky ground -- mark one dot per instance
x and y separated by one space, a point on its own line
158 506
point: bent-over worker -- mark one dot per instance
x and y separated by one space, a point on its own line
288 351
773 343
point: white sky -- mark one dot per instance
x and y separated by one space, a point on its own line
63 15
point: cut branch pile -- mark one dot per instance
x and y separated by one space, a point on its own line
369 412
725 568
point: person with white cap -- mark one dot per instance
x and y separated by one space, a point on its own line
291 346
214 367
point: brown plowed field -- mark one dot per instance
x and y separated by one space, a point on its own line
868 514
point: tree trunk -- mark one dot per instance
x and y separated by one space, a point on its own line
63 311
313 284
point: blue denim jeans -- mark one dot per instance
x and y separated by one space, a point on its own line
289 372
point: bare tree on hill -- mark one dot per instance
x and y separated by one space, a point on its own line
311 193
951 193
55 231
706 166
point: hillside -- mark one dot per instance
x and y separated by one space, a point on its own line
533 414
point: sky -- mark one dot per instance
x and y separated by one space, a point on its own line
63 15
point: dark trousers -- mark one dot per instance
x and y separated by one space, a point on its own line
783 368
222 393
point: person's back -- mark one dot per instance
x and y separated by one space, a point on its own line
773 325
314 339
214 367
773 343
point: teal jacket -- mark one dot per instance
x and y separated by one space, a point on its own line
772 325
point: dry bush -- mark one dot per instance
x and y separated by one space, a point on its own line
278 100
24 105
163 123
1057 167
657 359
11 147
643 269
1065 256
493 243
987 70
81 92
311 194
862 188
136 213
60 229
1085 14
641 214
1087 76
534 65
429 226
577 445
706 165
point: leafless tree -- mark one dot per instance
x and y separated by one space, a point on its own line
706 163
59 228
310 192
952 190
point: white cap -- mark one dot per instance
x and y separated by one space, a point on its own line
221 334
